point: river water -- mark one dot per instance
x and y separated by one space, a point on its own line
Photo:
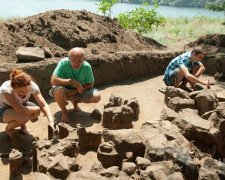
23 8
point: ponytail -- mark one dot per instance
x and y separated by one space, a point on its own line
19 78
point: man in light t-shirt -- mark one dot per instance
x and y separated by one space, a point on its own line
73 80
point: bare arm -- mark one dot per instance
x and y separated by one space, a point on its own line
88 86
56 81
15 104
44 107
191 77
200 71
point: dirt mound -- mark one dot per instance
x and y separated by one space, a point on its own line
61 30
212 43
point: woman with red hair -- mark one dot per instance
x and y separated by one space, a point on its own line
15 109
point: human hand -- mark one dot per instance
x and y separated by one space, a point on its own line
78 86
208 83
54 127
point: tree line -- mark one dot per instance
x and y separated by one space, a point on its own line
143 19
178 3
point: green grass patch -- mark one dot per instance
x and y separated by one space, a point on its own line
183 30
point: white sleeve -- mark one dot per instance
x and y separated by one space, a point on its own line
34 88
6 87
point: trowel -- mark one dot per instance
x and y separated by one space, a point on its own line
55 136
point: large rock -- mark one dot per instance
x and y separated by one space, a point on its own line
175 92
218 122
160 137
28 54
119 113
88 140
177 103
15 160
142 163
205 101
108 155
129 167
59 167
211 169
134 105
126 140
194 127
118 117
168 114
189 167
157 170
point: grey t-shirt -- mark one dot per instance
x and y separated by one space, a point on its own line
6 88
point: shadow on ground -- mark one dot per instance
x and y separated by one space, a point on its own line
81 117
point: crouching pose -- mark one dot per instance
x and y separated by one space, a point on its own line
73 80
185 68
15 109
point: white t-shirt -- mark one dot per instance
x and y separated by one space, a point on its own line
6 88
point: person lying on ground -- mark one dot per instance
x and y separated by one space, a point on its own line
15 109
186 68
73 80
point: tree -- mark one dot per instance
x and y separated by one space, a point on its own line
216 6
141 19
105 6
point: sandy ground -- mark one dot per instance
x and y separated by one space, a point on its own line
145 90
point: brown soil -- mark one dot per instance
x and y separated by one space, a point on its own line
64 29
212 43
61 30
145 90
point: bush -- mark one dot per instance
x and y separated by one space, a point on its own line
141 19
216 6
105 7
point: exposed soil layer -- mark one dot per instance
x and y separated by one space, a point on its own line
115 54
212 43
62 30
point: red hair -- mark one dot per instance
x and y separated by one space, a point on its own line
19 78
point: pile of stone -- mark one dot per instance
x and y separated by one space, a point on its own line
182 144
200 115
119 113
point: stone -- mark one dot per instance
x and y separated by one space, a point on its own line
129 168
142 163
206 101
15 161
29 54
96 114
111 172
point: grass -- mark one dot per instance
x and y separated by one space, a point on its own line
8 19
182 30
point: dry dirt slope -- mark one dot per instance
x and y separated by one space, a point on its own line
60 30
